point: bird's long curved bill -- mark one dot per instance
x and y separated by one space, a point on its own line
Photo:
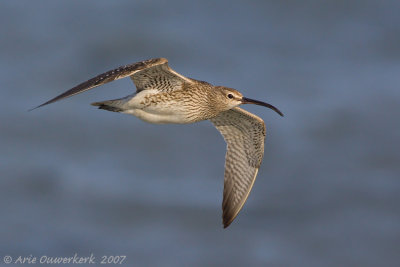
246 100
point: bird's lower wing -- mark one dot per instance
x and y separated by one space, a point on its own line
244 134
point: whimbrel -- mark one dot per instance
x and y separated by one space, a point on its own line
165 96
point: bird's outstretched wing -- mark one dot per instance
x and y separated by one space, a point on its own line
244 134
160 77
149 74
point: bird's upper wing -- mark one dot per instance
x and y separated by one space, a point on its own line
244 134
160 77
148 74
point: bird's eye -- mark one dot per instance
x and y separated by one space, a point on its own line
230 96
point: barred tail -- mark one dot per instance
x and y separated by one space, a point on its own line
110 105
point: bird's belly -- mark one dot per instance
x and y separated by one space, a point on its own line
152 116
150 108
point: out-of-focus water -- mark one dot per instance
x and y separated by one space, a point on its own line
78 180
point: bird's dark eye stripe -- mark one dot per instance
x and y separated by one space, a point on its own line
230 96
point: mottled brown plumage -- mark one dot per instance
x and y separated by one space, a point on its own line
244 134
165 96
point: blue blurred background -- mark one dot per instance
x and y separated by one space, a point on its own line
75 179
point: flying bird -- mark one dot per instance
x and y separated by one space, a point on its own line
165 96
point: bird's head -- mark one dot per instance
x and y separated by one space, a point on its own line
229 97
233 98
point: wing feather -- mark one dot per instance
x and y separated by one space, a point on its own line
160 77
244 134
153 69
